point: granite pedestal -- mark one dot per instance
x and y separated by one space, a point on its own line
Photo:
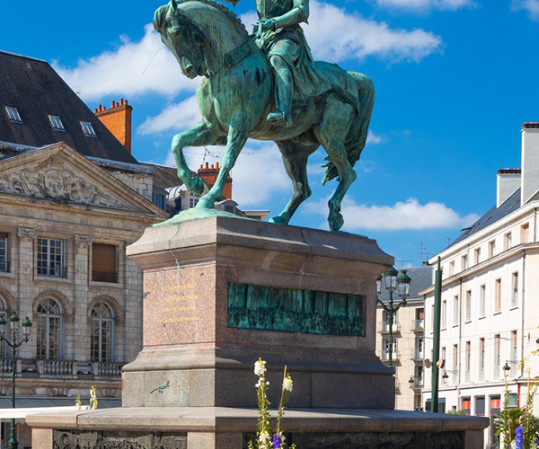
220 292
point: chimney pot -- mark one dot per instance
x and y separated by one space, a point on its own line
121 101
207 165
217 165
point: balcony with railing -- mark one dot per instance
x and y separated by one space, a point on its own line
394 356
417 355
107 369
384 327
62 368
418 325
416 382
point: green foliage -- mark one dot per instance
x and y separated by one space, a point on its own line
509 419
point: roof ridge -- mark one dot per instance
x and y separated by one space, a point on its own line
23 56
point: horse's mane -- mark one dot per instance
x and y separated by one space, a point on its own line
215 4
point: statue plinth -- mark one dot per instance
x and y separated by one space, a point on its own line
222 292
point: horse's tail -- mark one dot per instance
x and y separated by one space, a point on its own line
357 136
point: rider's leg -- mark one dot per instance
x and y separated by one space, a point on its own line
284 86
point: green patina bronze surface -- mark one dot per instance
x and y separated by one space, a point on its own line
289 310
266 86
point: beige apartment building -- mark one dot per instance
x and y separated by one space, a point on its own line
408 340
490 298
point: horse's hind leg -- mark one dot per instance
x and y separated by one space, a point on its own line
295 163
198 135
330 133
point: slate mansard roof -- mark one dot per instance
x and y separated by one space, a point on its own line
37 91
510 205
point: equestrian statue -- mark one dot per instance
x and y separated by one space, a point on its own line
266 86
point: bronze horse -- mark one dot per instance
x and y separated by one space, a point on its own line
236 96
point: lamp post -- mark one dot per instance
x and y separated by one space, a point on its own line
392 283
14 344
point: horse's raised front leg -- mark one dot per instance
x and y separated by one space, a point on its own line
198 135
295 158
238 132
330 133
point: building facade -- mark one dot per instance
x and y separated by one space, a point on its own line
490 299
71 199
408 341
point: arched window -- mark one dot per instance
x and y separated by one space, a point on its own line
49 330
4 314
102 342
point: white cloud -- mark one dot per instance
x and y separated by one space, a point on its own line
175 117
257 176
335 35
409 215
532 6
423 5
125 71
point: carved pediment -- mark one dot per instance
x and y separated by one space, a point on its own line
60 175
55 181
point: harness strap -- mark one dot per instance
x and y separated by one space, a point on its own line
234 57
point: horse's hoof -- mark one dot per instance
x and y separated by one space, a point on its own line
205 202
278 220
336 221
197 185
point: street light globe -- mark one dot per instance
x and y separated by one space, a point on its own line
391 278
26 327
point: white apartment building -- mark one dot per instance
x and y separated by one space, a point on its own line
490 299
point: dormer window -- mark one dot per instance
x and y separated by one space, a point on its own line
56 123
87 129
13 114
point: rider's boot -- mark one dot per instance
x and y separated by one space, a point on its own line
284 86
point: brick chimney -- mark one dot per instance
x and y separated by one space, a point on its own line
209 174
118 121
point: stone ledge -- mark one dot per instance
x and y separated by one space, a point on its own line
220 419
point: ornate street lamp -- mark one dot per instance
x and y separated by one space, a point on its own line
14 344
393 283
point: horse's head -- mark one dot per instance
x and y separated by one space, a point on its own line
183 37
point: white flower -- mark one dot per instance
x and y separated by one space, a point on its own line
260 367
288 385
264 438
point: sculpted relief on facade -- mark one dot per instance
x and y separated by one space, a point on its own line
53 181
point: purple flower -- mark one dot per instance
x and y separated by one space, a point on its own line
277 442
518 438
536 440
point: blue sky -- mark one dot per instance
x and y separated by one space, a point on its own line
454 79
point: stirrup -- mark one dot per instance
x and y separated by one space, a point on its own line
279 118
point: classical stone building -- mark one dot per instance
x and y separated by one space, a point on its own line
490 298
71 199
408 340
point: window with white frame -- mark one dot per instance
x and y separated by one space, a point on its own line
388 347
464 262
419 348
468 307
514 293
455 363
444 314
525 233
56 123
102 339
4 265
492 248
468 360
481 358
456 310
49 330
50 257
497 295
508 240
13 114
88 129
497 356
482 299
451 268
514 353
477 254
